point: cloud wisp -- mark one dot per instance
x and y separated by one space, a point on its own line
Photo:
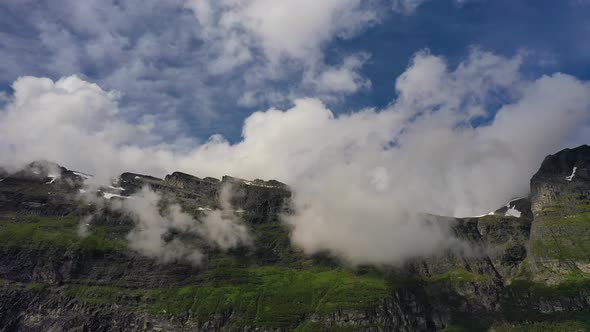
164 231
456 141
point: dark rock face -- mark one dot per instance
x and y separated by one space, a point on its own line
563 162
263 199
520 207
563 179
50 280
187 182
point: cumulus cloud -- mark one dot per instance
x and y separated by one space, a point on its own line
343 78
184 63
282 30
456 141
279 39
146 48
56 120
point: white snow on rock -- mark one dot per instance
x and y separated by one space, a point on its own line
250 183
571 176
117 188
110 195
511 209
53 178
137 177
513 212
82 191
483 215
82 175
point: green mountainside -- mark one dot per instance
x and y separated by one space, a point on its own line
533 273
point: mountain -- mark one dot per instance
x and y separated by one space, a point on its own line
532 272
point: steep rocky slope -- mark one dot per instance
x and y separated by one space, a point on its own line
529 270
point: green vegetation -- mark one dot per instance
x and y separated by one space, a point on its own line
468 324
36 286
459 276
570 322
550 324
54 232
558 322
564 209
266 296
563 238
319 326
531 292
504 230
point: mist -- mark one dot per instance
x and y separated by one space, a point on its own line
157 220
457 141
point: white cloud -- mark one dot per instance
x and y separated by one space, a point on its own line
274 37
361 180
340 79
188 63
219 229
281 29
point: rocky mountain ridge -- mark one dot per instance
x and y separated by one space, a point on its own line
533 272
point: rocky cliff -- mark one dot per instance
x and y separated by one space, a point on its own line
530 269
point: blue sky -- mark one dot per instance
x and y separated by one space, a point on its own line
159 56
553 33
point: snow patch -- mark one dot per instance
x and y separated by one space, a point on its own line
571 176
53 178
513 212
117 188
250 183
483 215
82 191
82 175
510 210
110 195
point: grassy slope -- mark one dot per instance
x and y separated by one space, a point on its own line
265 296
45 232
286 291
278 295
564 237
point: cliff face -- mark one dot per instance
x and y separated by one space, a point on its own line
562 181
560 241
529 269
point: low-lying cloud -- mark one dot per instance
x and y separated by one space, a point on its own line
164 231
456 141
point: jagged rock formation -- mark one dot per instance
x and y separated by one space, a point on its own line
530 270
562 180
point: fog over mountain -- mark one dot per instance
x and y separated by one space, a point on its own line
360 180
